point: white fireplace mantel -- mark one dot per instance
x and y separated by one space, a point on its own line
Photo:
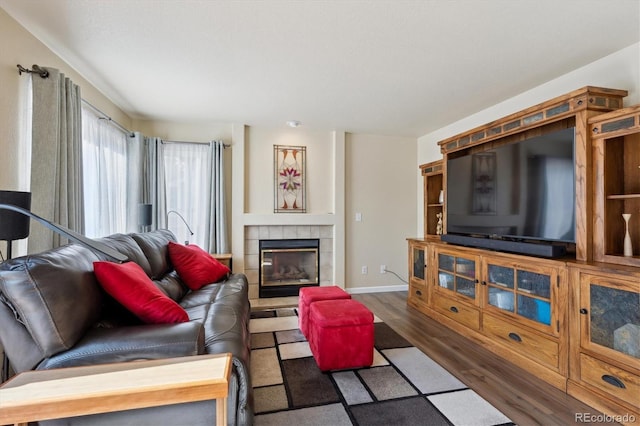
253 219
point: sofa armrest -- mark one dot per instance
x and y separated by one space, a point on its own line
122 344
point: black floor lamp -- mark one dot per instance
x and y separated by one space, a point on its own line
145 216
14 225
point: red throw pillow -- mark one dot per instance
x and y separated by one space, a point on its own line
130 285
195 266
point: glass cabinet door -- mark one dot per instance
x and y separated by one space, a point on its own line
457 274
534 296
500 285
418 258
519 291
418 262
613 314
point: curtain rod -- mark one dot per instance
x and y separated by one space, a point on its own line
224 145
35 69
109 119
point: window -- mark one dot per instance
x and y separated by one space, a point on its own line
105 173
187 184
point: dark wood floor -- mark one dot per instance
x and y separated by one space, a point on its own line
519 395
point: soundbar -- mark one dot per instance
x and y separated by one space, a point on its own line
519 247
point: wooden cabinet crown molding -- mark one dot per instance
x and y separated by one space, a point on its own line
431 168
615 123
587 98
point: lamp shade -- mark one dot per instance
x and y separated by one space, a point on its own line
145 217
14 225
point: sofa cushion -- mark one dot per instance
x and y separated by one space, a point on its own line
126 245
54 294
154 247
195 266
205 296
123 344
131 286
171 285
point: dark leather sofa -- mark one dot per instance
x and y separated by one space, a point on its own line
54 314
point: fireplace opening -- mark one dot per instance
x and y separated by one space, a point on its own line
288 265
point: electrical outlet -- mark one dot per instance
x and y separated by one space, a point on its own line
383 269
365 270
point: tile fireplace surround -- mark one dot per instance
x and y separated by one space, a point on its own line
253 234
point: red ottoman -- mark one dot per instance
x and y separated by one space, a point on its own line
308 295
341 334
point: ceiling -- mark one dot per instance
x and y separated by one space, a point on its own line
388 67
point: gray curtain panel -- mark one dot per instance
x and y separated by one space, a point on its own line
154 187
56 159
135 183
218 233
149 176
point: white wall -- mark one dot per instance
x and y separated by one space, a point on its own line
380 185
259 167
369 174
620 70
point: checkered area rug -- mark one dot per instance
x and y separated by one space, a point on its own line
402 387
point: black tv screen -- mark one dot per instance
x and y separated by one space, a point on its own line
522 190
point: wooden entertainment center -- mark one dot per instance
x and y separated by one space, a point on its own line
573 321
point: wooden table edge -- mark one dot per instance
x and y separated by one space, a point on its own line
216 388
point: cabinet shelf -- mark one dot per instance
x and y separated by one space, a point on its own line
622 196
433 207
617 184
634 258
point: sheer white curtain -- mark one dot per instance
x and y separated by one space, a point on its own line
185 169
106 164
24 155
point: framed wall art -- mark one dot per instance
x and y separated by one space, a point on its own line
290 179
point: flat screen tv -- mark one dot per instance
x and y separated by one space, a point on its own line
520 191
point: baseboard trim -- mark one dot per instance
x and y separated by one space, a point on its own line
377 289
